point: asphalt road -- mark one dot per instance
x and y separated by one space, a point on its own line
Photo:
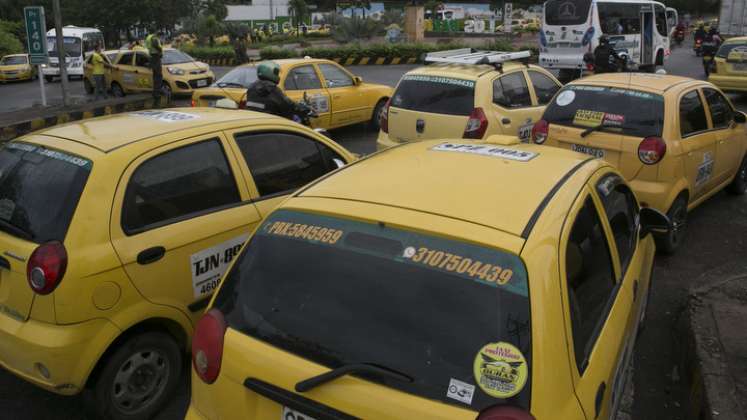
715 249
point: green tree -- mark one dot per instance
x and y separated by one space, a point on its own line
208 27
299 11
9 44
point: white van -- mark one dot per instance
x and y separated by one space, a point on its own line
78 42
571 28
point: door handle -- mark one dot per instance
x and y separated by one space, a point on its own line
506 121
599 399
151 255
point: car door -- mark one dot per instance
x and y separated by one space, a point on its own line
275 163
181 213
512 111
346 98
126 72
143 72
698 143
598 305
730 136
543 89
304 80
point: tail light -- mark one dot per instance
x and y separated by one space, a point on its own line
652 150
504 412
46 267
194 103
477 125
207 345
539 131
384 117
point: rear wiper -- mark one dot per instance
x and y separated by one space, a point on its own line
313 382
591 130
15 230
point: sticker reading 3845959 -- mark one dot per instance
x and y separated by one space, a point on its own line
304 231
209 264
500 370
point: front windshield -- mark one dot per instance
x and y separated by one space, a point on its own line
12 61
238 77
73 46
567 12
176 57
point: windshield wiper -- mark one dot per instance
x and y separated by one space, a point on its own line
384 372
591 130
227 84
15 230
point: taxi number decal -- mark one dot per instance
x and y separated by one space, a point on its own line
459 264
165 116
705 169
208 265
486 150
439 79
303 231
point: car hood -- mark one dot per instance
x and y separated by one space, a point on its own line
189 66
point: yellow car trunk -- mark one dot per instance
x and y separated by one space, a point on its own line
406 125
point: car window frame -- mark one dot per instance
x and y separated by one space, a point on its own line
620 268
522 73
701 97
125 54
325 82
709 112
141 54
288 76
535 96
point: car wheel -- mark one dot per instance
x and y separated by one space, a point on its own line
137 379
87 86
739 185
117 90
376 116
669 243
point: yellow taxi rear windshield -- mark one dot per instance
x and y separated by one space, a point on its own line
435 94
337 291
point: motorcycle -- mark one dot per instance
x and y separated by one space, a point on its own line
617 64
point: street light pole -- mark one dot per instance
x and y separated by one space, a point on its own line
61 53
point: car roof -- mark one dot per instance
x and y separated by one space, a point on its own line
499 192
115 131
736 39
470 71
14 55
656 83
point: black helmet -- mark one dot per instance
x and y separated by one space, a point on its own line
603 40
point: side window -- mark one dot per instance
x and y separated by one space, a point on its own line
281 162
590 277
544 87
511 91
302 78
661 20
178 183
142 60
721 112
692 114
335 76
126 59
622 213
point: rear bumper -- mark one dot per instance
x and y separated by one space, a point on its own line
729 83
653 194
384 142
68 352
562 61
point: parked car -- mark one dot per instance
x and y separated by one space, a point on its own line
16 67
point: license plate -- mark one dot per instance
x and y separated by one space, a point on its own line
201 83
740 67
289 414
598 153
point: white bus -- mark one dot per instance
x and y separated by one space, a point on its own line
78 42
571 28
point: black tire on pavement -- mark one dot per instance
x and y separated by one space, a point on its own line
376 116
669 243
49 79
137 380
739 185
117 90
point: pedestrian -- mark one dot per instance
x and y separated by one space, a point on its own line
155 50
99 70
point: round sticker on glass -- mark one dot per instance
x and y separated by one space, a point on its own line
500 370
565 97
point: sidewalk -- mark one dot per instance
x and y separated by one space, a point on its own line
717 350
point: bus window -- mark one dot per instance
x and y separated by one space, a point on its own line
567 12
620 18
661 20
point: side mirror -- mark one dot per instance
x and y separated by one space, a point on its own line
357 80
654 221
740 117
226 103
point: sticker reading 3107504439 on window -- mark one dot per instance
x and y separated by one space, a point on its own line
486 150
500 370
208 265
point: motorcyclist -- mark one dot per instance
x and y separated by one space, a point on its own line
264 95
700 33
605 56
710 46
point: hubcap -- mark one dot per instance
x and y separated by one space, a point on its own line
140 380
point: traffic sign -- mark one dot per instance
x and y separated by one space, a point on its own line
36 34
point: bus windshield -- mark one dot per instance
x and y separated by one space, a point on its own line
567 12
73 46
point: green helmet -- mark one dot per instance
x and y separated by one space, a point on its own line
268 70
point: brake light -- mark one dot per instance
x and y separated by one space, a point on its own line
504 412
384 117
477 125
539 131
207 345
46 267
652 150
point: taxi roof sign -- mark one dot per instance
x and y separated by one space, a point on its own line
473 56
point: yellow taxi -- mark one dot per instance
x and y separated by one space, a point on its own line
729 71
677 141
339 97
372 294
457 98
16 67
182 74
110 56
115 231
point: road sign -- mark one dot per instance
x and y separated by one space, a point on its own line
36 34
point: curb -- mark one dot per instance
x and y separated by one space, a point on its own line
220 62
375 61
24 127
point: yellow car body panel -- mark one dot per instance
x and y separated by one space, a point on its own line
336 106
730 74
16 72
408 124
558 391
105 292
678 171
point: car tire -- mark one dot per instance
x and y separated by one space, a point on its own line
137 379
669 243
376 116
117 90
739 185
87 86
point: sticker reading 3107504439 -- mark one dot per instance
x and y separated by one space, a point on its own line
209 264
500 370
486 150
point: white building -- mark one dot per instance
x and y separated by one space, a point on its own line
258 10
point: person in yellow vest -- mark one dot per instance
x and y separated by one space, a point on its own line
153 44
99 69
